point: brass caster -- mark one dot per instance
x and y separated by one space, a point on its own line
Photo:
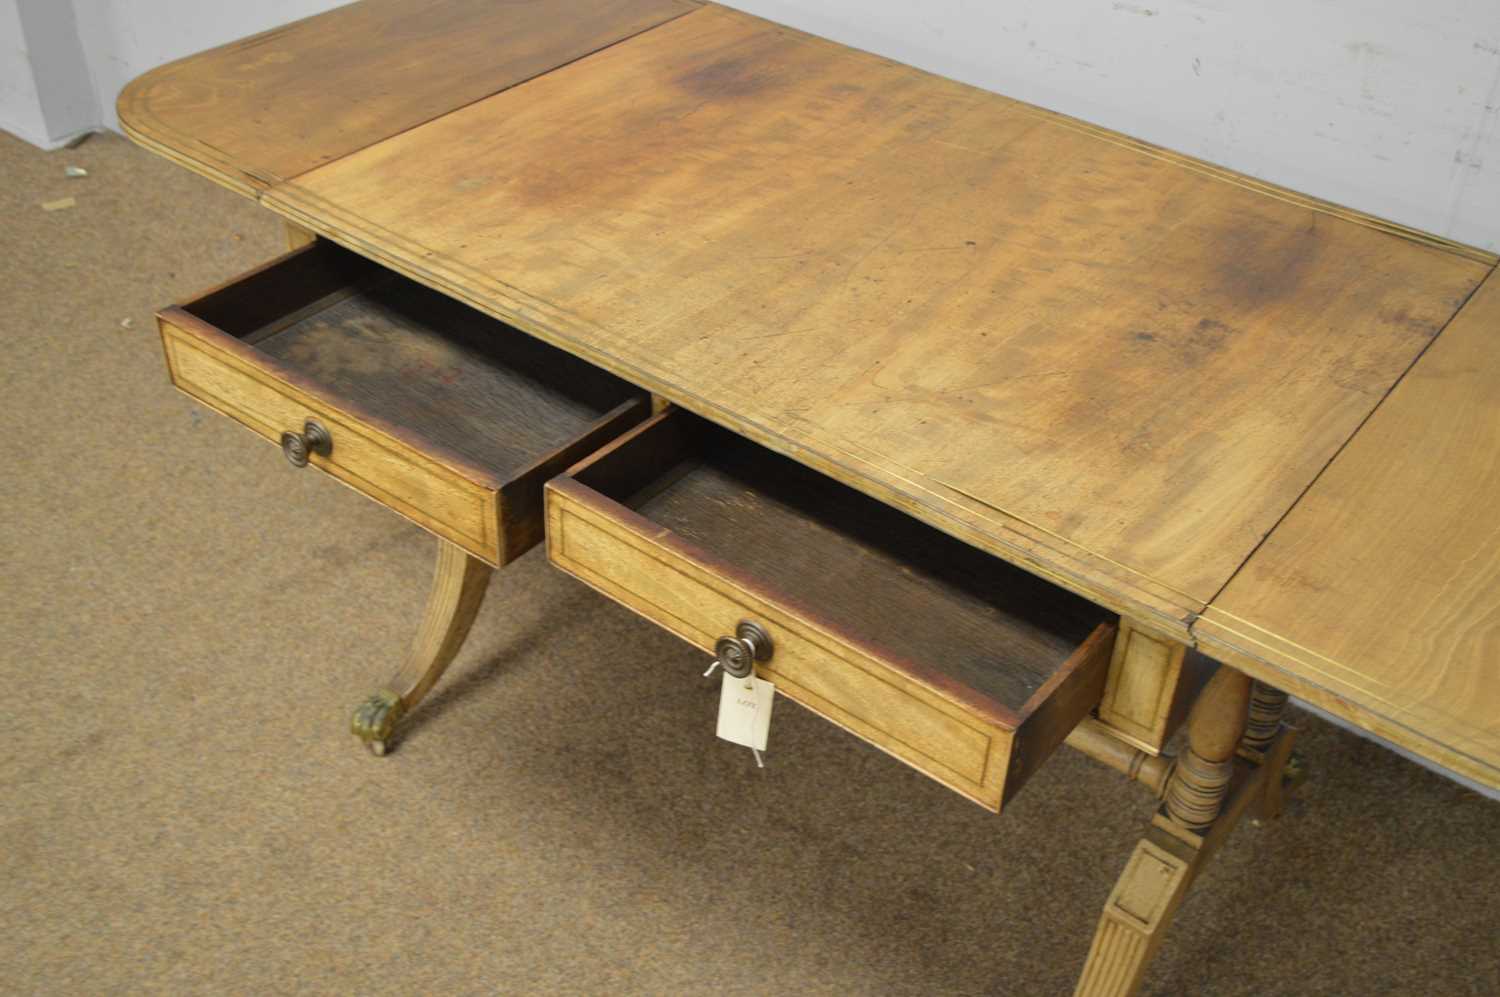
375 719
1294 772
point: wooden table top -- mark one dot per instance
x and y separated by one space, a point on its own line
1134 373
1380 591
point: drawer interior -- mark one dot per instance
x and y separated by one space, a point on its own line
866 570
438 369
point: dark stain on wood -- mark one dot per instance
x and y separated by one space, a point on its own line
727 79
1193 345
1401 318
1260 266
1208 336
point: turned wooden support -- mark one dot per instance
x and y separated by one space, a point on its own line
1196 789
1100 743
1171 855
1267 704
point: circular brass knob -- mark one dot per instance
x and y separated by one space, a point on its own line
313 439
738 654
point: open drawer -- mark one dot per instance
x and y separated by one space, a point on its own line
959 664
431 408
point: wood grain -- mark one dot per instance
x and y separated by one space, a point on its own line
1102 744
1200 779
1152 682
1378 598
442 371
1165 863
436 411
871 570
297 236
459 582
973 675
398 476
1112 366
279 103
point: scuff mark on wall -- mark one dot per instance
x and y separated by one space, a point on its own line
1468 158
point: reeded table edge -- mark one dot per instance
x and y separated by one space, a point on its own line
1255 652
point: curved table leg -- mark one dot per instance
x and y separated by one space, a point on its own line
458 585
1212 784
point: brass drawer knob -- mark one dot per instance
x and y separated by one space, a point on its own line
313 439
737 655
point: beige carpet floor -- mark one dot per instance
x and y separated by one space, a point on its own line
185 624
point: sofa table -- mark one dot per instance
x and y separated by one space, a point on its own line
975 428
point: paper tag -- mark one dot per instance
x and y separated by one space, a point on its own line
745 710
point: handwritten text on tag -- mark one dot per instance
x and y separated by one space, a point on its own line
745 711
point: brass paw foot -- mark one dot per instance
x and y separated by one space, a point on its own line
1295 771
376 718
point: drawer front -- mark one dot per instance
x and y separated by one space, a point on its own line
231 379
626 559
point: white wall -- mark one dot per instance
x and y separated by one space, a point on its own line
64 85
20 108
1390 106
